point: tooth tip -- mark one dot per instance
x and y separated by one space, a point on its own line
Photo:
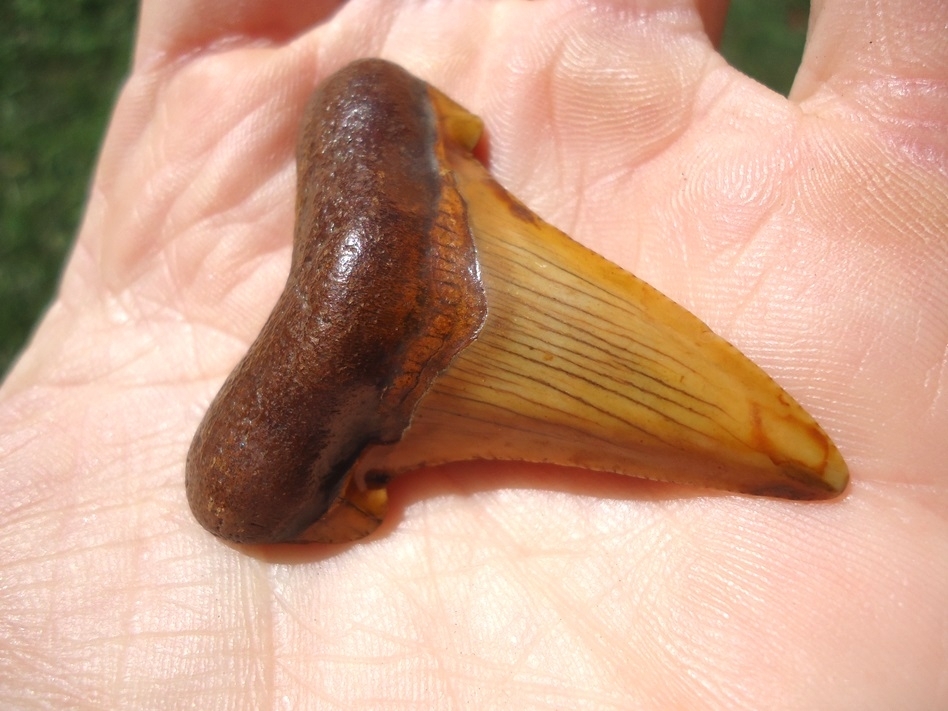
802 451
836 473
808 483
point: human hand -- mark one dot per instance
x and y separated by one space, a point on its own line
808 232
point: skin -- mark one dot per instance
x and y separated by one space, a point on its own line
808 231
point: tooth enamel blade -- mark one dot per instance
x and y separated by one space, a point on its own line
580 363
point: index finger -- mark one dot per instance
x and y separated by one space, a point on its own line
883 57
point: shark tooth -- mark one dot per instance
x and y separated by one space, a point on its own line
431 317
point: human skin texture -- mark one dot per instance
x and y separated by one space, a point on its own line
809 232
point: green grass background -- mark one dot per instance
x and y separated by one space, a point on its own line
61 65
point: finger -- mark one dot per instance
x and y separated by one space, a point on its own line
713 15
171 28
886 57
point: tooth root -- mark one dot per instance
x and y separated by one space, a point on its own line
579 363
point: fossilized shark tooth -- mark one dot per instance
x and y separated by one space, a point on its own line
430 317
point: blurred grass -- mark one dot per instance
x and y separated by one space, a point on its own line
764 39
61 65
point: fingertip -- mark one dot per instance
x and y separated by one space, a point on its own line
713 15
880 56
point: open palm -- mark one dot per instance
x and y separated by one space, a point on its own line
809 232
